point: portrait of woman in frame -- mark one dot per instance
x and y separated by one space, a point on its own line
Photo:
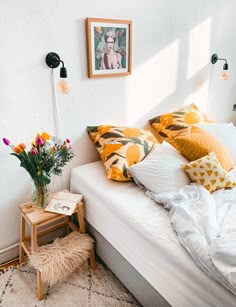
109 47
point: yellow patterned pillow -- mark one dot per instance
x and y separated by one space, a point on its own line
121 147
198 143
170 125
208 172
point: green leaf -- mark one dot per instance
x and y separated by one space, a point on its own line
176 127
114 162
92 129
123 62
136 141
180 113
146 147
163 134
155 120
108 135
125 171
114 154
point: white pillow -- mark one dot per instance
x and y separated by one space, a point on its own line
225 134
161 171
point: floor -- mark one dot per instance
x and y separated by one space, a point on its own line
85 288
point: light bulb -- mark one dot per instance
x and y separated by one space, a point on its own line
224 75
63 86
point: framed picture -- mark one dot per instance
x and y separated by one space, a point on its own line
109 44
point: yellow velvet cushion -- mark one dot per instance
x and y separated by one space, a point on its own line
121 147
170 125
199 143
208 172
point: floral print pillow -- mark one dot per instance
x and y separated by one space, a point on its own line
170 125
121 147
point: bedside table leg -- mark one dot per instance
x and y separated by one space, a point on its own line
34 246
80 214
40 292
22 238
92 259
67 220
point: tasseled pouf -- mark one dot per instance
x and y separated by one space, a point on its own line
58 260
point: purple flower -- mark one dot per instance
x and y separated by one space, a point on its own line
6 141
40 141
34 151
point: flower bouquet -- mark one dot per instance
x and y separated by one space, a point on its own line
47 156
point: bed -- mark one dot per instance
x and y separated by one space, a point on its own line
134 237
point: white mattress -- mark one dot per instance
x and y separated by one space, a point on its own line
141 231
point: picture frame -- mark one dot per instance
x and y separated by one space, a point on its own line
109 47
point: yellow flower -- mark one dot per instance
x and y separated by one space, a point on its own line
45 136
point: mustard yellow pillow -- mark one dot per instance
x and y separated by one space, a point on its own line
121 147
170 125
198 143
208 172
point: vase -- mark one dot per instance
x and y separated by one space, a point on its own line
40 194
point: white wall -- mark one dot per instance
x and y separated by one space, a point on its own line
172 45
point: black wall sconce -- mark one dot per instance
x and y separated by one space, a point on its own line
224 74
53 61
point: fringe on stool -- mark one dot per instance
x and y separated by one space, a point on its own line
58 260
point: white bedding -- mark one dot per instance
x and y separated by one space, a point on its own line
205 224
141 231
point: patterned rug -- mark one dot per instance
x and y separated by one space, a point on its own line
85 288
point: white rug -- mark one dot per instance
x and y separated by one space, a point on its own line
85 288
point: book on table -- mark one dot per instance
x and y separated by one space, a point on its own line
64 203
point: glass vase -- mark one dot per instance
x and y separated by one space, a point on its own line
40 194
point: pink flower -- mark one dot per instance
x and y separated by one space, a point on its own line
6 141
34 151
67 141
111 34
40 141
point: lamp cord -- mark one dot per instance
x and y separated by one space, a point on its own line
209 89
55 112
56 126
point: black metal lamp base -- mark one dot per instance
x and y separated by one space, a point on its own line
52 60
214 58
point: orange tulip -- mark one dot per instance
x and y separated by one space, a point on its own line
17 149
22 146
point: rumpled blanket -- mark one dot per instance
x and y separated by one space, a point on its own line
206 226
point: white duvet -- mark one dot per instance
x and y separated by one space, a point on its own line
206 226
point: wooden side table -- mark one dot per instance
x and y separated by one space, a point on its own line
36 218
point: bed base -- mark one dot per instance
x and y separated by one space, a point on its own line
126 273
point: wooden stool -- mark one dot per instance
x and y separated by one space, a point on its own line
36 218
